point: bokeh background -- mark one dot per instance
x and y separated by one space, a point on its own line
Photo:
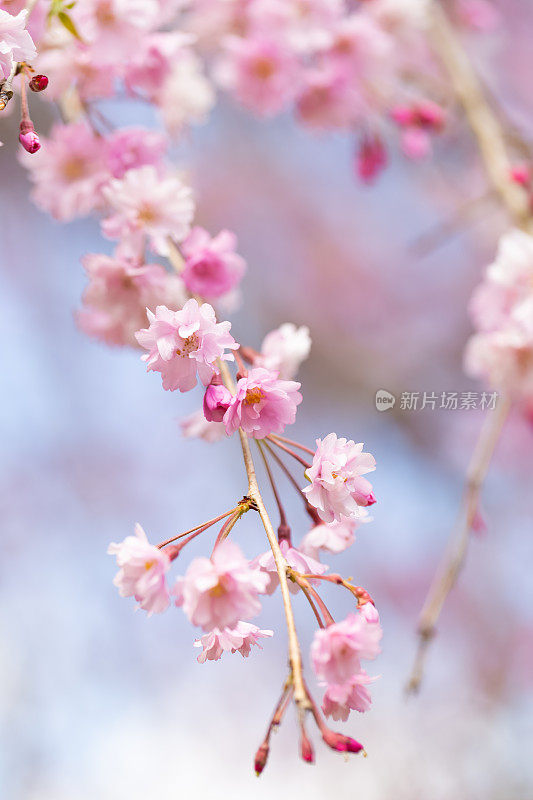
98 701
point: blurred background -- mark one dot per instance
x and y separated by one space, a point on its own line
98 701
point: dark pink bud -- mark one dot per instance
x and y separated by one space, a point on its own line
28 138
341 743
364 499
306 749
261 758
216 401
371 158
38 83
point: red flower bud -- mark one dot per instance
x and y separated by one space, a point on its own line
38 83
261 758
341 743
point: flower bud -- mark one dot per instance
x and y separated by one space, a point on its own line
216 401
341 743
28 138
306 749
261 758
38 83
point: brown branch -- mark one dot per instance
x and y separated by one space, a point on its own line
453 560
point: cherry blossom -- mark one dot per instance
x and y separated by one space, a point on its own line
333 537
142 571
337 487
70 172
184 345
118 294
145 202
240 639
339 699
337 650
212 267
16 43
284 350
195 426
220 591
295 558
262 404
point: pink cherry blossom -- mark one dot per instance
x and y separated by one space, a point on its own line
295 558
337 487
212 267
263 73
220 591
145 202
337 650
240 639
16 43
186 96
501 351
183 345
69 171
216 401
195 426
262 404
129 148
142 571
333 537
118 294
150 63
339 699
284 350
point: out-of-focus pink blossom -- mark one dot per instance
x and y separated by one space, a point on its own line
130 148
183 345
295 558
333 536
68 177
195 426
262 404
337 650
212 267
501 351
16 43
284 350
240 639
186 96
142 571
148 203
416 143
220 591
337 487
263 73
118 294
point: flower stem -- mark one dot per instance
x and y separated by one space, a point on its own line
288 450
300 694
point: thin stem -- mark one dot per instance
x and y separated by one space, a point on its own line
300 695
292 443
453 560
228 526
485 126
310 510
360 594
304 463
199 528
304 584
282 515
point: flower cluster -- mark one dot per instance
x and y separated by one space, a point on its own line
501 351
168 284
